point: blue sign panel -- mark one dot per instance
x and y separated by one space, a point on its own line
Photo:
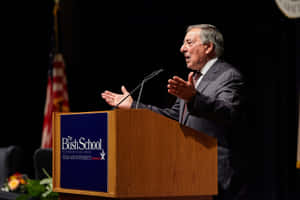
84 151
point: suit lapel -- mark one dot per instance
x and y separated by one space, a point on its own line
210 76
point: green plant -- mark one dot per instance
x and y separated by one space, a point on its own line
39 189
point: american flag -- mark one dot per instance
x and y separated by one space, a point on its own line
57 99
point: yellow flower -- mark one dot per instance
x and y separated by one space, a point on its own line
13 184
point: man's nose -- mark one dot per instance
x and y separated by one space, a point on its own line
183 48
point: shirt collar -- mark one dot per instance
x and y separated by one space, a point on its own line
208 65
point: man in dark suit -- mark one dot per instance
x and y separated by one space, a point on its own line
210 100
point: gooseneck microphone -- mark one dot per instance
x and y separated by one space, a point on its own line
141 85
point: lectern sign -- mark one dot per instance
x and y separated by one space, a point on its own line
84 152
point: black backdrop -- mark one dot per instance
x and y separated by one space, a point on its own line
109 44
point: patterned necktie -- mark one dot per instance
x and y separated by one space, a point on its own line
196 76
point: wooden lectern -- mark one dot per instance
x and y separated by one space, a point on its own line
146 156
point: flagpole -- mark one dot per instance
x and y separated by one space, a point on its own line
55 14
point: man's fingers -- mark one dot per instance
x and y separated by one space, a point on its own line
175 83
110 101
190 77
171 91
113 99
175 92
124 90
175 89
108 94
179 80
108 98
181 88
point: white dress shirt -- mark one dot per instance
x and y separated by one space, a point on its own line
204 69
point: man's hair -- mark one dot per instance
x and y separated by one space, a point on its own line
210 33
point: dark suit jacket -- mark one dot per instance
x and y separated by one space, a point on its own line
214 110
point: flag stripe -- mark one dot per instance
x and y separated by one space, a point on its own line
56 98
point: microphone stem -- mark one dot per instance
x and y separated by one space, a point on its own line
140 94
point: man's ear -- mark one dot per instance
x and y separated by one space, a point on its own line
210 48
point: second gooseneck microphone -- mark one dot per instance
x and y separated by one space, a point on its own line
141 85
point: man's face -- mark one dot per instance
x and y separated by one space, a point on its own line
193 49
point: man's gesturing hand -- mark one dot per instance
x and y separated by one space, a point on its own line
181 88
113 98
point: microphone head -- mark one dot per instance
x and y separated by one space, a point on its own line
153 74
158 71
